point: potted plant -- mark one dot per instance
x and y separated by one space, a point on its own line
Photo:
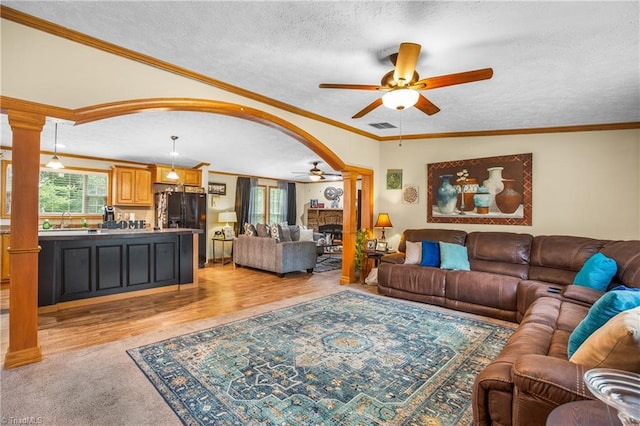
362 235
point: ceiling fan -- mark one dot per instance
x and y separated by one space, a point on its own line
315 174
403 83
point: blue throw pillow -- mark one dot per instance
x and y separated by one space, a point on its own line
605 308
597 272
454 256
430 254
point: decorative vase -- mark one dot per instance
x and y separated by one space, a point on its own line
482 200
494 185
508 200
446 196
466 191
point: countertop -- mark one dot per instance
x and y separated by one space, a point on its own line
75 233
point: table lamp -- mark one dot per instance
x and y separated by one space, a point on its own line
227 217
383 221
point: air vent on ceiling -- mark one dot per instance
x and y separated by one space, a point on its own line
384 125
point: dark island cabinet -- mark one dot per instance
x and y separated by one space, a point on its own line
80 268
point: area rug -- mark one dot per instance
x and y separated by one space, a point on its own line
345 359
328 263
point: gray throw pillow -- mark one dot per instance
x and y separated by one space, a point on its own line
284 233
250 230
263 230
295 232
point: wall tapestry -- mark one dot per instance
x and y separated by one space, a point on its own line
394 178
492 190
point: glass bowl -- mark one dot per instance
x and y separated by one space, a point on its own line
619 389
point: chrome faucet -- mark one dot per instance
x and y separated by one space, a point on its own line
62 224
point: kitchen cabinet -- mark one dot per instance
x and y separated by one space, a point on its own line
191 177
132 187
4 275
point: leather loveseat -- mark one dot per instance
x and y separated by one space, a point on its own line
525 279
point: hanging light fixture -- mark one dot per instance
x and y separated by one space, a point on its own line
55 162
172 174
400 98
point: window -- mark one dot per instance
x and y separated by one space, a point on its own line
73 191
268 204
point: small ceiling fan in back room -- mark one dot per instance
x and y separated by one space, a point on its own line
402 85
315 174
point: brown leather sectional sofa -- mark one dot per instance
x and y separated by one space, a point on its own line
520 278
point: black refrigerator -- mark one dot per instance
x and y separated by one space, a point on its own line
183 207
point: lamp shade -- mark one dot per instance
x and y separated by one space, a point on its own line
400 98
383 221
227 217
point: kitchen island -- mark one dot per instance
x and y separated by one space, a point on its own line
81 264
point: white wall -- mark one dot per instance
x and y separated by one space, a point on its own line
584 183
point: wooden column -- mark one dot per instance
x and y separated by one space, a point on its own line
349 227
366 209
24 249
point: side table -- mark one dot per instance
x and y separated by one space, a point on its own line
222 242
584 413
375 256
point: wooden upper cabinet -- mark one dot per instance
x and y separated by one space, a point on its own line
131 187
192 177
185 176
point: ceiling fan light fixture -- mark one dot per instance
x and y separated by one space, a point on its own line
400 98
315 178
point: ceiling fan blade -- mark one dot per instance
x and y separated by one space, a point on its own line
406 63
350 86
452 79
426 106
373 105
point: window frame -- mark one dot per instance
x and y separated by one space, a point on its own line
266 205
83 170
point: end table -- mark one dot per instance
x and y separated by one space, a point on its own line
222 242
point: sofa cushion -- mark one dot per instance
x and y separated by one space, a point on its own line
284 233
605 308
295 232
505 253
597 272
430 254
306 234
263 230
250 230
453 256
274 232
614 345
557 258
414 253
627 256
446 235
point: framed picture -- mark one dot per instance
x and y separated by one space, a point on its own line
217 188
491 190
394 178
314 203
381 246
371 245
228 233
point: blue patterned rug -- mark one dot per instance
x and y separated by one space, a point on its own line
345 359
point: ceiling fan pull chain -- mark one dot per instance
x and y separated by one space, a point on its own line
400 144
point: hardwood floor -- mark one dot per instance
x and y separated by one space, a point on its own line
222 290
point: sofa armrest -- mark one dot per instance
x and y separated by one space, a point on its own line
295 256
553 380
582 295
397 258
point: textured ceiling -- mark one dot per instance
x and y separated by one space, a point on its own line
555 64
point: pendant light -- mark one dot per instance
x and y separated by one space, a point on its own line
172 174
55 162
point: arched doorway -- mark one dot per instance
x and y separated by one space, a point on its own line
27 119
